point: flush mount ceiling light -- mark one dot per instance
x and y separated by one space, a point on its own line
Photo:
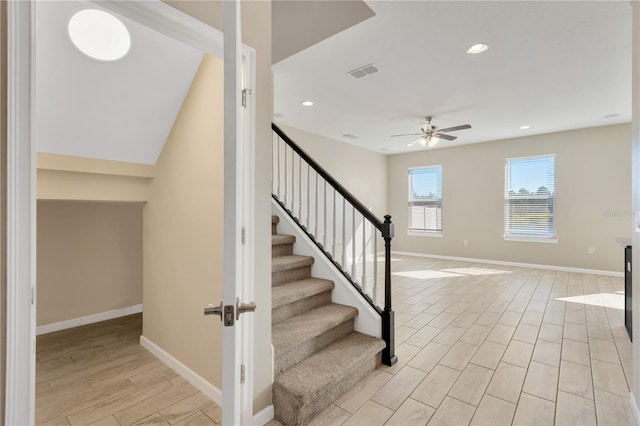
306 103
525 127
99 34
477 48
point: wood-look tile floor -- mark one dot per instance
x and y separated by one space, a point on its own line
100 375
491 345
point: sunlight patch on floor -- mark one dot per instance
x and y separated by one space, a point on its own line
449 273
476 271
605 300
426 274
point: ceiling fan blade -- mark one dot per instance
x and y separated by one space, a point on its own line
454 128
446 137
406 134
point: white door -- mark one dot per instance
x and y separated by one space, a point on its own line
20 381
236 273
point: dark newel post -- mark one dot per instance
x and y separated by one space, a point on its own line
388 331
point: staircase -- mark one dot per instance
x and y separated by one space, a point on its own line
318 355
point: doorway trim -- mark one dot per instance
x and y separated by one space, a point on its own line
21 183
20 343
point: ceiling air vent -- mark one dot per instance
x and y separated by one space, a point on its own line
350 136
363 71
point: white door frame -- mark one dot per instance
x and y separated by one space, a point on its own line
21 188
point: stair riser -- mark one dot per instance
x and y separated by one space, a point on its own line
290 275
311 346
298 307
290 411
281 250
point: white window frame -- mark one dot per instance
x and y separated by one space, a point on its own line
423 232
529 237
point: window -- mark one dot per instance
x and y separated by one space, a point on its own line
530 198
425 200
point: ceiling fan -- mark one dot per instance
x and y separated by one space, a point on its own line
430 135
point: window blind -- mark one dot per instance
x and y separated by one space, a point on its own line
425 199
530 197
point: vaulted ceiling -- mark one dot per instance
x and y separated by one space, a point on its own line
121 110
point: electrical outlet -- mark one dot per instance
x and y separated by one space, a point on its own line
592 250
465 243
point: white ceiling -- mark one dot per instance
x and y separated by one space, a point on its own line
551 65
121 110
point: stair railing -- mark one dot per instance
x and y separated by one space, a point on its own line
346 231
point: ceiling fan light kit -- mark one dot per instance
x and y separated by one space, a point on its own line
430 135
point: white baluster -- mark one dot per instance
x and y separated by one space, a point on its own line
285 177
353 243
333 240
279 196
364 255
300 189
375 264
308 197
344 242
324 218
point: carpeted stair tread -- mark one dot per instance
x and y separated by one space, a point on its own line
297 330
308 378
285 263
297 290
280 239
304 390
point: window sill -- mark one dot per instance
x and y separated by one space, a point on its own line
546 240
424 234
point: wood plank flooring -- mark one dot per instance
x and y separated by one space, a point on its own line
100 375
477 344
497 345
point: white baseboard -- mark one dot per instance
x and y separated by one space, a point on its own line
264 416
188 374
89 319
517 264
634 408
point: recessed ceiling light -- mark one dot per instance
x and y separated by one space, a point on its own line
307 103
99 34
612 115
477 48
525 127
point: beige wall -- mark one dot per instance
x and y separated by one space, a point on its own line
362 172
66 185
256 32
182 231
89 258
593 172
64 177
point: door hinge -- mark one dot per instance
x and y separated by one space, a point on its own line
242 374
244 235
245 92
